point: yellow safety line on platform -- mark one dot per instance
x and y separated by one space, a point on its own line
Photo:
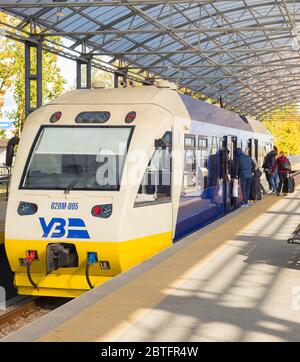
111 316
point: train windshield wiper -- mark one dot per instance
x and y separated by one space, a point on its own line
79 177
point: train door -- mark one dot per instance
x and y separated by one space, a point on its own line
224 171
250 147
228 164
232 157
154 196
201 197
232 166
256 150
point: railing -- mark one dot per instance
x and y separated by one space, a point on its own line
5 173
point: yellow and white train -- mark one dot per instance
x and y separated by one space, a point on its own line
105 178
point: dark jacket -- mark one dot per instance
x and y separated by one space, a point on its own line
282 161
244 164
270 162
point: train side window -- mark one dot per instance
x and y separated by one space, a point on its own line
268 147
202 143
189 174
189 142
256 151
156 183
232 159
202 162
213 162
244 146
221 142
261 155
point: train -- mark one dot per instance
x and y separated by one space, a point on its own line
105 178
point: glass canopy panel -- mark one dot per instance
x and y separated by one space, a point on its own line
240 37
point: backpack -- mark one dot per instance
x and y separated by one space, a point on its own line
266 164
257 173
287 165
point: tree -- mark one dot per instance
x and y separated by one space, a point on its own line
102 76
6 66
284 124
12 74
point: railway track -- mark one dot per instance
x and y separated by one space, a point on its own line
30 309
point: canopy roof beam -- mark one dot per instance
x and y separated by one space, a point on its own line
249 47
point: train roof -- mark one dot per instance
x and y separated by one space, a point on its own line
210 113
131 95
258 126
178 104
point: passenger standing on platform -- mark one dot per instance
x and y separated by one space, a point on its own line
273 172
244 169
267 165
284 168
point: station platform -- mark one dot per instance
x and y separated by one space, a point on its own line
235 280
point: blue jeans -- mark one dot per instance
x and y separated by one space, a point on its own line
274 181
246 187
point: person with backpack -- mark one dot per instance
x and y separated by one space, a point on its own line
269 160
284 168
244 169
273 172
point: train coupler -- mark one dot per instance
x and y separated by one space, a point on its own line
60 255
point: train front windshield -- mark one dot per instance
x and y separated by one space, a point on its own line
79 158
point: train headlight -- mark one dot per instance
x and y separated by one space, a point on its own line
103 211
55 117
130 117
27 208
92 117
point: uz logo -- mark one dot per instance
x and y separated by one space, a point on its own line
57 228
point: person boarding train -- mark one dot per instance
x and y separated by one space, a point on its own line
245 166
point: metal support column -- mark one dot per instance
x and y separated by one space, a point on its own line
116 80
148 81
120 73
84 61
220 96
33 73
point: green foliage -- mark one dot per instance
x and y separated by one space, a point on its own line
102 76
12 74
284 124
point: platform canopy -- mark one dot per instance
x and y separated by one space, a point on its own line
248 51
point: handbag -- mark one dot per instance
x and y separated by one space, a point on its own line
287 165
235 188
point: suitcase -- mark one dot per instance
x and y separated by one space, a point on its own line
289 185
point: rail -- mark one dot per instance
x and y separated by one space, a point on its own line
29 310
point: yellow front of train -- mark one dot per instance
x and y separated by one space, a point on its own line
77 214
